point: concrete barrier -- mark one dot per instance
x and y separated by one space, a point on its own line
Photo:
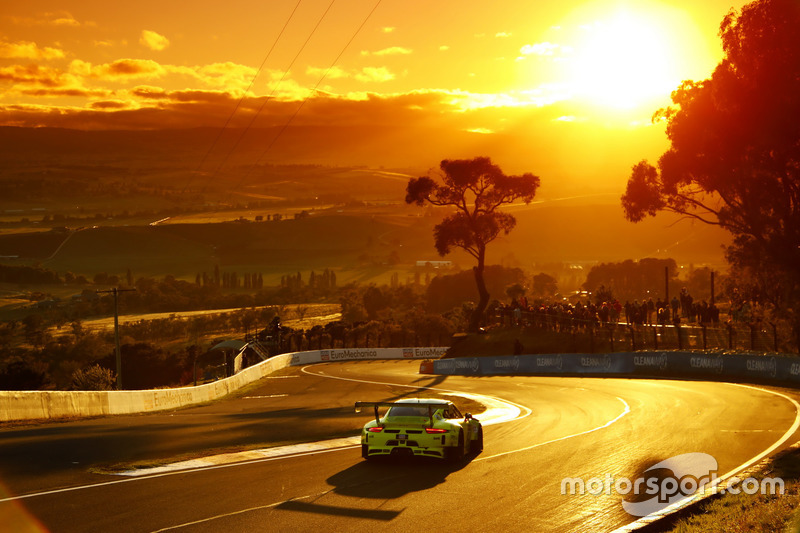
777 370
35 405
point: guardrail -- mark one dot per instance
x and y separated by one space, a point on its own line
34 405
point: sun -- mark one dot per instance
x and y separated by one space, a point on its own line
626 60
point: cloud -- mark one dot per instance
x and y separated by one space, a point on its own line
32 75
228 75
394 50
374 74
119 70
57 18
331 74
153 40
502 35
388 29
544 49
148 92
110 104
28 50
153 107
71 92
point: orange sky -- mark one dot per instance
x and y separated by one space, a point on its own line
584 73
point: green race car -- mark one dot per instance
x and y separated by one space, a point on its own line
420 428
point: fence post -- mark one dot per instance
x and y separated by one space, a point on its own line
633 338
774 336
655 337
591 338
678 332
730 337
611 336
703 328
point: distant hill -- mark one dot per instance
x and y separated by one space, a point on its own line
580 235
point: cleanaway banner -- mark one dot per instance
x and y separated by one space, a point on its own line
361 354
713 366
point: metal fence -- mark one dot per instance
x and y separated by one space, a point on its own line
621 336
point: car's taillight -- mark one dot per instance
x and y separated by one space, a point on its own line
374 430
435 430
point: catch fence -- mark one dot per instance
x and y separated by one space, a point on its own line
616 336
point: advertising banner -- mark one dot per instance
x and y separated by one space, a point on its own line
693 365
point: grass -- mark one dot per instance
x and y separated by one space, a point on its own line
733 513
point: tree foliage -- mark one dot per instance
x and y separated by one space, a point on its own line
476 189
734 158
631 280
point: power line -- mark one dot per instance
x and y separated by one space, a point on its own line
269 97
241 99
297 111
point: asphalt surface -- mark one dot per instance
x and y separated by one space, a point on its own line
576 428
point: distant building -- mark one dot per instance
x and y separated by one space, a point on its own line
435 264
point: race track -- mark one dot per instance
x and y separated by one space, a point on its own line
566 427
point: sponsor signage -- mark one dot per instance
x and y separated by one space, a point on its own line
784 370
360 354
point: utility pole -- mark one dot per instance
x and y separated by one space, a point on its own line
712 287
115 291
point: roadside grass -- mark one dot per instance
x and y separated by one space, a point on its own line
733 513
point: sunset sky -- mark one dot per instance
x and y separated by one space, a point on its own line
576 71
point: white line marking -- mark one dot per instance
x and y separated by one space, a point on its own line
165 474
623 413
241 511
491 400
645 520
482 397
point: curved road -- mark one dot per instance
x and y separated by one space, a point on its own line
575 427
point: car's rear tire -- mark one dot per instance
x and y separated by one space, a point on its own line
455 454
365 452
477 446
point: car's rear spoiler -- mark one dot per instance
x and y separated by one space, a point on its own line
377 405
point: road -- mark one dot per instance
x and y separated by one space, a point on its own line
568 427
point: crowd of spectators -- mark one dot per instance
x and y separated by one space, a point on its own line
584 313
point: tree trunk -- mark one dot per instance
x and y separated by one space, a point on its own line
483 302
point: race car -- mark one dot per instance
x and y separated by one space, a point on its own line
420 427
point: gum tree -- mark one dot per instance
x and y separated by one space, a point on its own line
734 156
475 189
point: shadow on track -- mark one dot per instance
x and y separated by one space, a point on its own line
389 478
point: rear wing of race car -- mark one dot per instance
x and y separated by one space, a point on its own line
432 407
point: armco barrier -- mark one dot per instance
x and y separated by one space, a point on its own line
31 405
780 370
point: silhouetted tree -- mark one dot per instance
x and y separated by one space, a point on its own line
515 291
544 285
23 375
453 290
734 158
476 188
